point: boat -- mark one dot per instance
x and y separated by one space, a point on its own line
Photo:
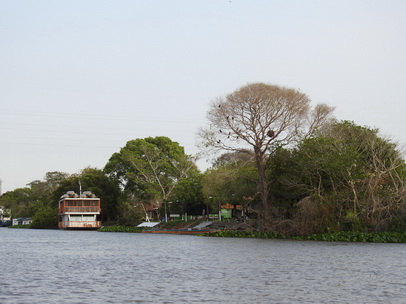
79 211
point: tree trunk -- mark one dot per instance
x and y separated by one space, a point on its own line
263 188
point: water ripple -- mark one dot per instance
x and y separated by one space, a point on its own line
53 266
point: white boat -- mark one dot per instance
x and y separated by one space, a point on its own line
79 211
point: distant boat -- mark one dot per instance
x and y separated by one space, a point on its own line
79 211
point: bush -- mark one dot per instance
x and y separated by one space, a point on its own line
45 218
370 237
121 229
245 234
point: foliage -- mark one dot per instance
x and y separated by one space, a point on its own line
42 190
129 214
20 227
188 195
45 218
261 117
232 180
370 237
245 234
345 177
121 229
25 202
150 169
20 202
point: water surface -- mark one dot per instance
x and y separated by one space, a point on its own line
56 266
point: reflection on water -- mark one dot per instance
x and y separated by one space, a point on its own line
55 266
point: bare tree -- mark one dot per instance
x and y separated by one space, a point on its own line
261 117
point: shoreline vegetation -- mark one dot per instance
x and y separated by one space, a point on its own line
279 169
19 226
345 180
353 237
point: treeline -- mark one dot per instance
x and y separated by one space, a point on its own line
294 170
147 174
344 178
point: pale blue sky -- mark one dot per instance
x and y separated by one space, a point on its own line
78 79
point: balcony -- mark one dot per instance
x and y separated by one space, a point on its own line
83 209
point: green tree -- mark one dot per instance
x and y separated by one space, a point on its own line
232 180
188 196
150 168
346 177
45 218
42 191
130 214
20 202
26 202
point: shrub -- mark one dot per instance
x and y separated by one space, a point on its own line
45 218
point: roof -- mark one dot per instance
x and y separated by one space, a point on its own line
148 224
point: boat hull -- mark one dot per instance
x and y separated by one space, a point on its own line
75 225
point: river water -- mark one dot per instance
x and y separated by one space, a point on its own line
56 266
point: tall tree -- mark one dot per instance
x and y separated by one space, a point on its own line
261 117
151 168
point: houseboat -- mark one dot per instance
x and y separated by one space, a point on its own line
79 211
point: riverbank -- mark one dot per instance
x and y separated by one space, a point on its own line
222 229
354 237
244 230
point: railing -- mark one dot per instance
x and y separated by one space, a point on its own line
79 224
79 209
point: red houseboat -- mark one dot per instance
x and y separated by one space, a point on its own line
79 211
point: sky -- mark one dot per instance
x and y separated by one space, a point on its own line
80 78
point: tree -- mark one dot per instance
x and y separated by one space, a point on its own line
150 168
232 180
188 196
261 117
54 179
43 190
25 202
20 202
45 218
344 177
379 192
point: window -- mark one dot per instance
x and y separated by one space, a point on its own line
76 218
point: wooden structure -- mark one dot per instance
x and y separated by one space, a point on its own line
79 211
